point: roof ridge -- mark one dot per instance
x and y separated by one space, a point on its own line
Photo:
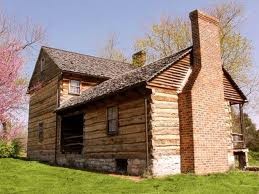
73 52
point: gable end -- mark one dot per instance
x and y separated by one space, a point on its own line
231 90
173 76
50 70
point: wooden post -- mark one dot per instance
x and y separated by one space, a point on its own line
241 118
146 135
242 124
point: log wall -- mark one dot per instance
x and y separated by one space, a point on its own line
100 149
164 129
129 143
42 104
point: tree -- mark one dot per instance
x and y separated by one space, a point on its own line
166 37
171 35
111 50
251 135
17 40
17 43
236 48
12 86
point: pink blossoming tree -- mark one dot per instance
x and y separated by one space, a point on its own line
17 43
12 86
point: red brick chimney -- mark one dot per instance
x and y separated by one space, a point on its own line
204 136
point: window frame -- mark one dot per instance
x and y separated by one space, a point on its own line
112 132
70 86
40 132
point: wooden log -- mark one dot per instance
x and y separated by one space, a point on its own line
133 147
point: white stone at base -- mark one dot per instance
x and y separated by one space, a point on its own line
231 160
166 165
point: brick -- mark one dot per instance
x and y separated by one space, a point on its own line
203 133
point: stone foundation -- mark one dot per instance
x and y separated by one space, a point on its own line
166 165
42 156
135 166
71 160
106 165
76 160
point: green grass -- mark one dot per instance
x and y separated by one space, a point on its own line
18 176
253 158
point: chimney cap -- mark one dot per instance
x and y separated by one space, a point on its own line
139 52
204 16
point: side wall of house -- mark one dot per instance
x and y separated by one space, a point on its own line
42 105
164 118
164 129
100 149
43 101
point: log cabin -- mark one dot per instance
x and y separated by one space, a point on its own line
170 116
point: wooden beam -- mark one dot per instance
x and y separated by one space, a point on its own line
241 118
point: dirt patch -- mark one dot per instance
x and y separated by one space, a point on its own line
133 178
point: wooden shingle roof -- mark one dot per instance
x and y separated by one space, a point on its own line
86 64
124 81
143 75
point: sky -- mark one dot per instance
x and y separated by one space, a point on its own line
84 26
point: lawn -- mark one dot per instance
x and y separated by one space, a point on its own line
18 176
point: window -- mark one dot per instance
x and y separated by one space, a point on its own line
112 120
74 87
42 64
40 132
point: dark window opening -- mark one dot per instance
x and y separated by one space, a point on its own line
40 132
121 166
112 120
42 64
72 134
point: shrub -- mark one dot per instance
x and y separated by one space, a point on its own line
10 148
